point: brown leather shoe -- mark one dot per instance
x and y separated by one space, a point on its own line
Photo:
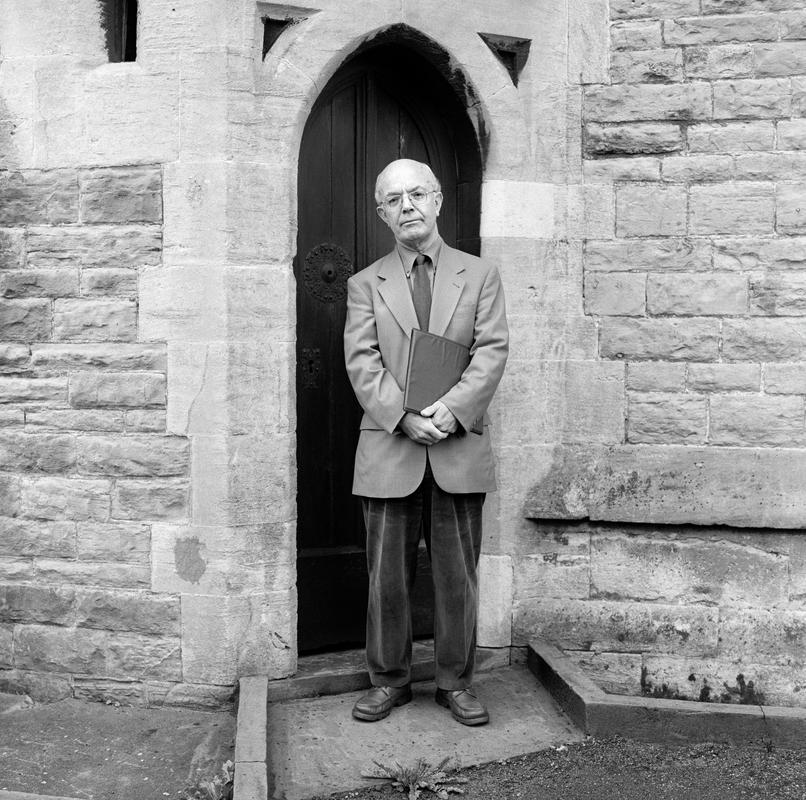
379 701
464 705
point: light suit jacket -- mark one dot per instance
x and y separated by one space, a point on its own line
468 307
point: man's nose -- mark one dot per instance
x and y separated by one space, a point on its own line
405 202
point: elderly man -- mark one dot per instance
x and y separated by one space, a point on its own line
422 472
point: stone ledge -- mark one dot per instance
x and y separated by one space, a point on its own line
251 777
652 720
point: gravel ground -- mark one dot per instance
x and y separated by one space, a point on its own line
616 769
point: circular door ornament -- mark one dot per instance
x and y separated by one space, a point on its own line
325 272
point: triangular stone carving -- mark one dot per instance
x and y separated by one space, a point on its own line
510 51
276 17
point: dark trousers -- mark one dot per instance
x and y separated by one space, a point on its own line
451 525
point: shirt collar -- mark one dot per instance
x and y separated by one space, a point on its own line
408 255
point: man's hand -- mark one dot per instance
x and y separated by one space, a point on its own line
421 429
441 416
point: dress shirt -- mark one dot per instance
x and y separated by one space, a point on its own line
408 257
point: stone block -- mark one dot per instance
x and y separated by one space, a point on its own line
95 320
10 494
720 61
39 283
109 692
658 339
648 254
792 134
592 408
147 421
698 168
96 573
799 96
109 282
781 166
132 456
12 248
724 377
588 41
615 293
133 612
6 649
117 389
700 569
14 358
552 575
647 66
630 9
81 650
651 210
778 295
696 294
150 499
791 208
12 417
756 420
764 340
25 537
731 137
36 452
495 601
113 541
588 211
785 379
41 687
70 420
779 58
745 6
199 695
38 197
632 139
752 98
792 24
17 569
609 170
656 376
617 626
732 209
714 30
23 390
118 356
517 209
636 35
755 253
626 103
96 246
656 418
615 673
25 320
23 603
65 498
777 634
120 195
536 340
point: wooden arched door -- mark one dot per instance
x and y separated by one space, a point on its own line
385 103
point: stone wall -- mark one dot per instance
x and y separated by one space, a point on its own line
694 146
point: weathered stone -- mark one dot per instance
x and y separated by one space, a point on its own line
799 96
198 695
740 6
791 208
768 97
552 575
608 170
764 340
36 197
785 379
39 283
20 390
780 58
646 66
621 9
46 604
495 601
712 30
17 569
653 339
625 103
648 254
121 194
132 456
135 612
40 687
617 627
70 420
638 35
82 573
731 137
755 253
65 498
698 168
118 356
148 421
14 358
636 138
102 690
9 494
752 419
686 294
150 499
109 282
36 452
724 377
24 537
25 320
778 295
98 246
113 541
615 293
792 134
792 24
732 208
759 632
95 320
720 61
651 210
123 389
667 419
12 248
656 376
6 650
81 650
782 166
615 673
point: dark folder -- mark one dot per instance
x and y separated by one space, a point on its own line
435 365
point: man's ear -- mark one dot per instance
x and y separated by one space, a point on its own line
438 201
382 214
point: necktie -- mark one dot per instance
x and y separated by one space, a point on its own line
421 290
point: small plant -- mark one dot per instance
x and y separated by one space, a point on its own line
421 777
219 788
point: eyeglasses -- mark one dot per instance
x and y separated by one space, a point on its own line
417 196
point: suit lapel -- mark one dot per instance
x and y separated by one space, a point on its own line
394 290
448 286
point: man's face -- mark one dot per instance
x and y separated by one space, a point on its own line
412 221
